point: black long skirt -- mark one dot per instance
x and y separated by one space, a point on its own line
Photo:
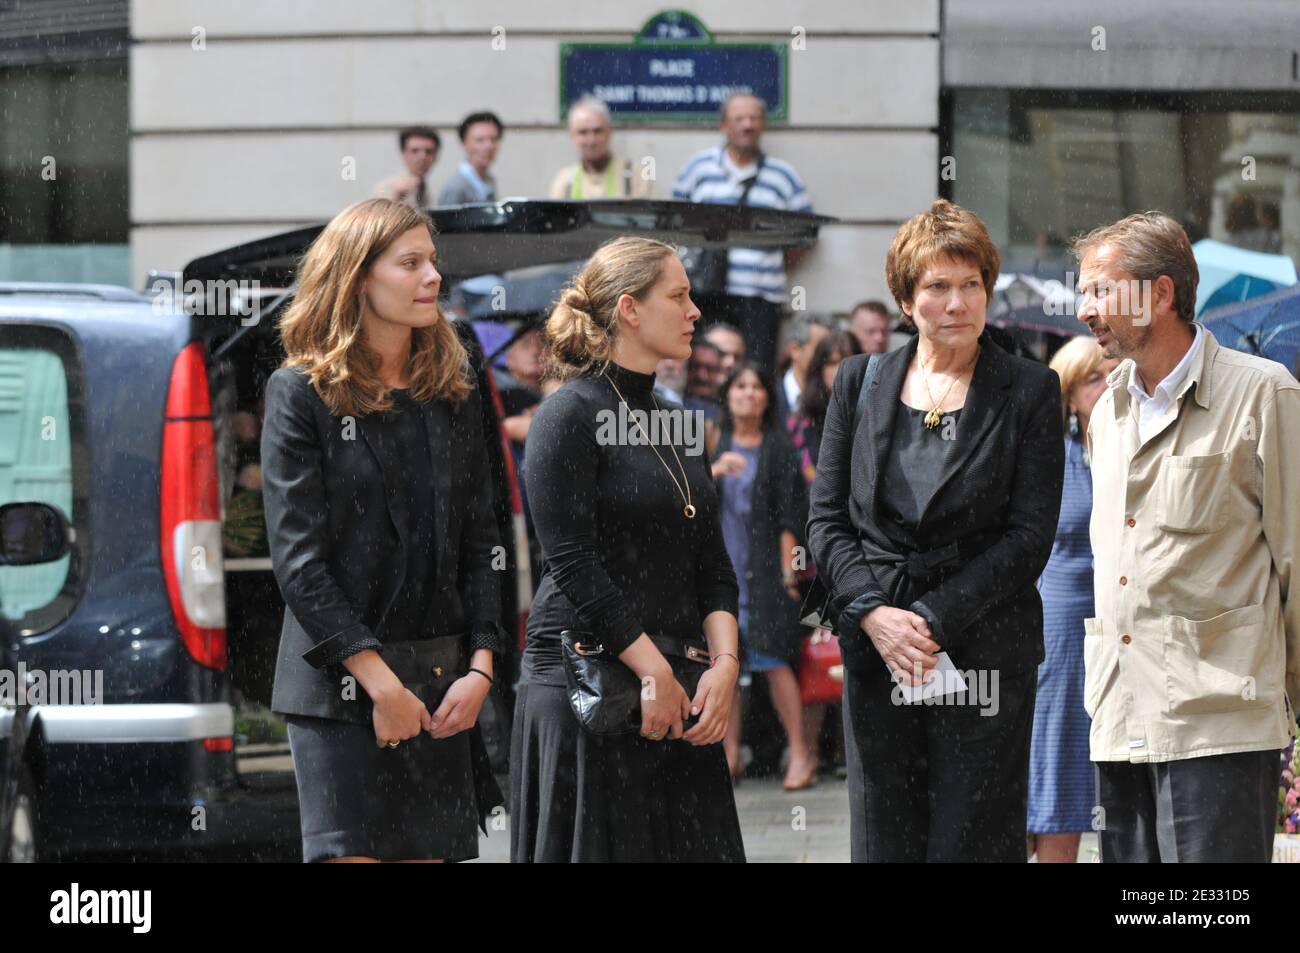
575 796
414 802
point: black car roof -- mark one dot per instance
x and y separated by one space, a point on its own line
519 233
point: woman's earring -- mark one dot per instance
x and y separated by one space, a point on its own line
1074 425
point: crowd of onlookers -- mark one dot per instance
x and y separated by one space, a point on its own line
748 290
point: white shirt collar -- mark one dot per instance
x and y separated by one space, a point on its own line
1155 412
1173 385
792 389
741 172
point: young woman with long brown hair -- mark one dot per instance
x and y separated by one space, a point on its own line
379 515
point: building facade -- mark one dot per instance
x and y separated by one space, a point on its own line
177 127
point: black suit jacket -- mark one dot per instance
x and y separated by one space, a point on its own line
971 563
338 535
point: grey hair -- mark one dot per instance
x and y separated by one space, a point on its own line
721 326
736 94
1150 244
592 103
801 327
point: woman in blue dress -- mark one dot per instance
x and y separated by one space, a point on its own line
1061 785
764 505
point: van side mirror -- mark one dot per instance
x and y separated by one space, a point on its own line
32 533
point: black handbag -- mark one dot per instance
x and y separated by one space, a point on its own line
427 667
708 268
605 694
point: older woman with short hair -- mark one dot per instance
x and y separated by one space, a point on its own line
933 514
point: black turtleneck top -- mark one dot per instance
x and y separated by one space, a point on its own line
621 558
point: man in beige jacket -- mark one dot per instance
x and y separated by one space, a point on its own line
1193 658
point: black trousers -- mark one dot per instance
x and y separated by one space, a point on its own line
1219 808
757 319
938 782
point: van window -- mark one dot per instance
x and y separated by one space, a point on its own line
39 449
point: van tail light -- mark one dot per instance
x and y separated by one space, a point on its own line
190 512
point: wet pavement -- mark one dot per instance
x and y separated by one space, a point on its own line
810 826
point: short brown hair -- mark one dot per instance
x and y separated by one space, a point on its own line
1150 244
945 231
419 132
874 306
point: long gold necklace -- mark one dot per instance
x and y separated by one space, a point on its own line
934 417
689 508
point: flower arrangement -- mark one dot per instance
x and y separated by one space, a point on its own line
1288 793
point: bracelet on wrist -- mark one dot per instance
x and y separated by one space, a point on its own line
714 660
481 672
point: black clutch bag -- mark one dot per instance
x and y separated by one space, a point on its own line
605 694
428 667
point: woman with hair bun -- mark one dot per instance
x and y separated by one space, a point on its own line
629 523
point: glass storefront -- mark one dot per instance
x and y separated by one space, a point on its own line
64 149
1040 166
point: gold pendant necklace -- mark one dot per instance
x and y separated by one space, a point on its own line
689 508
933 418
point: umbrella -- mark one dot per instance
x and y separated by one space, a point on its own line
1230 274
525 298
1034 318
508 298
1268 326
495 339
1034 304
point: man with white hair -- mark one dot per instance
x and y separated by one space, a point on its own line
599 174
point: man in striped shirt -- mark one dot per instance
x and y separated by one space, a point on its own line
756 282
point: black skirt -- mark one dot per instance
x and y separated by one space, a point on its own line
575 796
414 802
